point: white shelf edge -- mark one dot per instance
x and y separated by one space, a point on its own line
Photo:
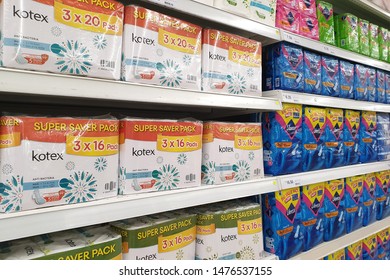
333 50
51 219
47 84
325 101
312 177
330 247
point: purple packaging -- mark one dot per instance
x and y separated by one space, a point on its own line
312 72
380 86
371 85
330 76
361 82
387 87
347 74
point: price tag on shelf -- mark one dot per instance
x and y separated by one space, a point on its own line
290 183
168 3
328 49
290 98
291 38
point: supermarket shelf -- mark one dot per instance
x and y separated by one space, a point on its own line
330 247
102 92
326 101
45 220
306 178
332 50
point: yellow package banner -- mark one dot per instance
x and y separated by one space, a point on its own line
178 144
10 140
178 42
248 142
176 241
92 146
244 58
249 227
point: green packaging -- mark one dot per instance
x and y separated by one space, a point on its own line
347 32
383 43
326 22
364 41
374 41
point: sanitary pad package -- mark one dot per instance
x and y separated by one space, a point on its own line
160 50
380 86
63 36
347 35
232 152
230 63
334 209
383 241
308 27
283 233
354 202
347 79
336 256
351 136
383 136
371 84
382 194
239 7
263 11
368 146
361 82
157 155
334 145
370 247
326 22
369 200
282 138
287 18
312 72
312 215
313 138
374 40
330 76
307 7
354 251
163 236
383 40
364 38
53 161
387 86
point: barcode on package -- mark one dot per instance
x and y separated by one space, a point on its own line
192 78
254 87
110 186
190 177
107 63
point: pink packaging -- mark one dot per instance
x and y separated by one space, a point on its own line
307 7
308 27
293 4
287 18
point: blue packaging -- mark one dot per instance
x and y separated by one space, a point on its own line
361 82
382 238
312 72
354 203
383 136
282 138
369 200
370 247
382 194
334 210
313 138
283 235
334 151
330 76
371 84
347 75
380 86
368 148
268 71
351 136
312 214
387 87
286 67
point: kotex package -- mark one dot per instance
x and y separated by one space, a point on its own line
354 251
334 147
293 4
158 155
285 67
383 40
383 240
312 72
308 27
229 231
231 152
351 136
313 138
287 18
307 7
383 136
364 36
336 256
156 237
312 215
283 233
380 86
347 79
368 146
369 199
361 82
374 40
371 84
49 161
160 49
347 35
239 7
330 69
334 209
20 249
67 37
354 202
387 87
326 25
282 138
230 63
370 247
263 11
382 194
